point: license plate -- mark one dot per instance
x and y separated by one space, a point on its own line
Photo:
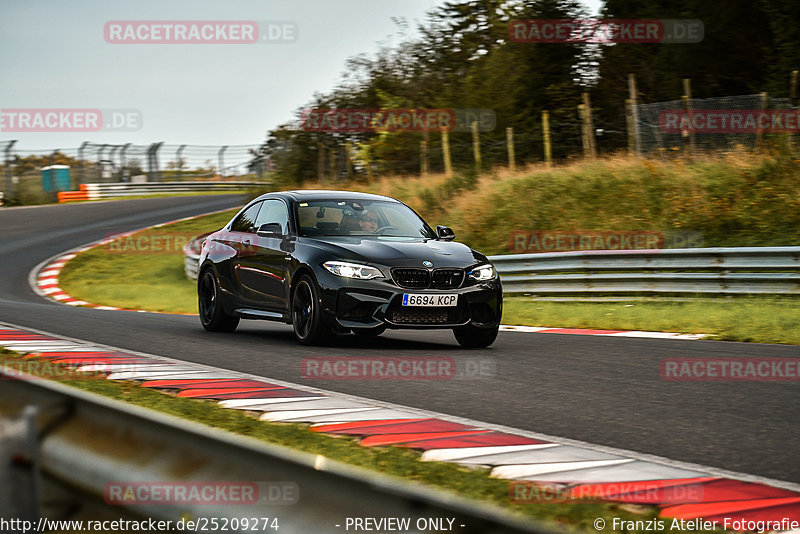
410 299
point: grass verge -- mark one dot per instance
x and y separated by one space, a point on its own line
140 272
761 320
393 461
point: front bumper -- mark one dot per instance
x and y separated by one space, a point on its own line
349 304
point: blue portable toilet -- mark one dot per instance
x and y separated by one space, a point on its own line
56 178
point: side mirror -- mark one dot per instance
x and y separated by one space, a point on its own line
445 233
270 230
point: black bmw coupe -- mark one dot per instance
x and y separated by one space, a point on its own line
330 262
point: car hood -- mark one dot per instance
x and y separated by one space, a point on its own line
403 252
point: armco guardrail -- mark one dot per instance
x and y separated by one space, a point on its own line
100 191
90 442
740 270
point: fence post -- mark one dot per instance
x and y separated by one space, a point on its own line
476 147
99 165
687 107
153 171
81 163
448 164
589 125
512 163
111 159
347 148
123 164
178 161
320 163
792 102
9 177
584 135
156 164
760 132
424 161
221 156
632 91
548 149
629 126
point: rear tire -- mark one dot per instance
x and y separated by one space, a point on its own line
307 323
472 337
209 304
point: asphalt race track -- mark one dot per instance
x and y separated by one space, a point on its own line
605 390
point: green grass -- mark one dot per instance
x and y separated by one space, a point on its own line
762 320
393 461
130 274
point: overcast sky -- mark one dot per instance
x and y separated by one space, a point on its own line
54 55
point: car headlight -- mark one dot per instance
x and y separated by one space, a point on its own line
482 273
352 270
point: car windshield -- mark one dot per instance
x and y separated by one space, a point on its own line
360 218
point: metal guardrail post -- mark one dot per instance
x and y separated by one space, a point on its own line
20 493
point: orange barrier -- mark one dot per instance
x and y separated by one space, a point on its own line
71 196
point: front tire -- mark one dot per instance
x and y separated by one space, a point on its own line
472 337
309 328
209 304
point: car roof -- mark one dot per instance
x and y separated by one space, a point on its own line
325 194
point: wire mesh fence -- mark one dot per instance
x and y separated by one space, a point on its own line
23 170
678 126
715 124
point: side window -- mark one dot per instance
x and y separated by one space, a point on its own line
246 220
274 211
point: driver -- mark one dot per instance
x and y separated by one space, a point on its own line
368 221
